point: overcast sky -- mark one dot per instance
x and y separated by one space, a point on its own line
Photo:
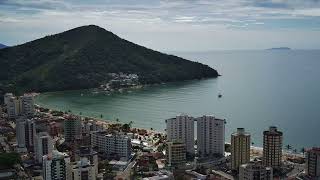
171 25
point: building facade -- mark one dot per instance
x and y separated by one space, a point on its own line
255 170
240 148
21 133
27 105
176 153
43 145
6 98
91 155
181 128
83 170
272 148
117 145
30 131
210 136
56 166
72 129
13 107
313 163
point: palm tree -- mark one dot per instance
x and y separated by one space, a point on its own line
288 147
130 123
303 150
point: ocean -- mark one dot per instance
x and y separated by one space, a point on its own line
259 89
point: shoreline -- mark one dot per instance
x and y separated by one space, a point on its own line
104 122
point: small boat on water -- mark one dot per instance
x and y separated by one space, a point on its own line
219 95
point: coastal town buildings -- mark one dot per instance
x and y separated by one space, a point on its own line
88 153
72 129
240 148
21 134
30 133
13 107
43 145
210 136
56 166
83 170
272 148
176 153
181 128
313 163
117 145
255 170
6 98
16 106
27 105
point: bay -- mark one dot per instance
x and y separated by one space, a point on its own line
259 89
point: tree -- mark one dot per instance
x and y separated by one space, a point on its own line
303 150
288 147
7 160
125 127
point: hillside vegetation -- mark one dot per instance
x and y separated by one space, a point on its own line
82 58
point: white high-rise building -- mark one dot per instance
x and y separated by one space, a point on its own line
7 97
210 136
14 107
57 166
89 153
254 170
181 128
27 105
21 133
111 144
43 145
83 170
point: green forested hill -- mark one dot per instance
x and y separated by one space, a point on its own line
82 58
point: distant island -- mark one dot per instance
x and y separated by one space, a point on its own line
2 46
280 48
90 57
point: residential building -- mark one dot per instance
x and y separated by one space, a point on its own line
181 128
56 166
176 153
43 145
21 133
13 107
210 136
240 148
83 170
313 163
117 145
72 129
30 131
7 97
272 148
27 105
255 170
89 153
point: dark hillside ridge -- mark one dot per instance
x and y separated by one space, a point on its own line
81 58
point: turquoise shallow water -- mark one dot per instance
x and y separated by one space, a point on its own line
260 88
